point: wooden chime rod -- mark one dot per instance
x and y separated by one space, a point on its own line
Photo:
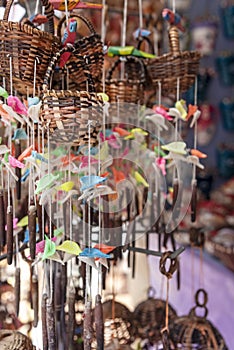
152 252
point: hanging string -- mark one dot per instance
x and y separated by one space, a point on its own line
167 307
68 80
70 218
124 29
37 7
103 26
192 274
173 6
103 36
50 221
66 11
35 74
140 14
159 93
11 81
162 286
99 288
195 125
201 274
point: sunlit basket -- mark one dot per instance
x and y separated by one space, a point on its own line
174 68
71 116
11 340
117 322
130 87
90 47
196 332
149 318
26 50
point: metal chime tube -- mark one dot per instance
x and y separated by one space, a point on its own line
99 323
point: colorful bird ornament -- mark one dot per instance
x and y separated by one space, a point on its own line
69 37
173 19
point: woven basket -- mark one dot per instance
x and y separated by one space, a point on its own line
196 332
175 65
11 340
25 45
68 114
149 318
120 326
130 88
89 47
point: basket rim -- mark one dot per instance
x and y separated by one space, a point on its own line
181 54
13 26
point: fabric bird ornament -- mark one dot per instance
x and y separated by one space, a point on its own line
173 19
69 37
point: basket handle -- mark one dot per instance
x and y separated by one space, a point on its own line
148 41
49 12
54 60
174 42
82 18
128 59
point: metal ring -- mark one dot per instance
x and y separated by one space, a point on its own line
173 265
205 297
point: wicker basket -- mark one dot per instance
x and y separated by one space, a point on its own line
149 318
175 65
25 45
118 322
130 88
196 332
68 114
11 340
89 47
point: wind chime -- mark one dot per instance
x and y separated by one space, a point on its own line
66 209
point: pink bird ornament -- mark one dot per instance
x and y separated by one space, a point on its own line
15 163
162 111
161 163
17 106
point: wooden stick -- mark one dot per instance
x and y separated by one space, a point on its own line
35 299
99 323
39 217
194 201
44 323
17 290
50 323
32 230
58 290
2 221
88 329
71 318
